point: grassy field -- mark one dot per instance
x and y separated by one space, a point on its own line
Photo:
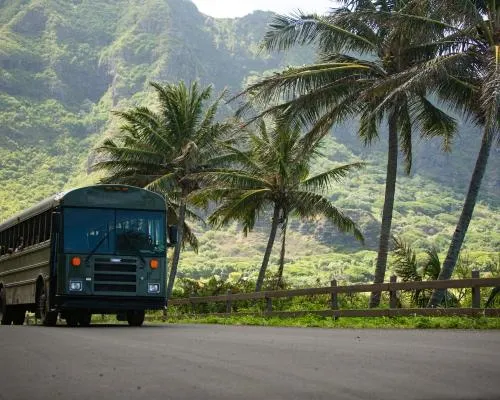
308 321
312 321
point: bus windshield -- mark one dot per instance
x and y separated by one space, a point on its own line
108 231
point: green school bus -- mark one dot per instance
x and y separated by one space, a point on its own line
94 250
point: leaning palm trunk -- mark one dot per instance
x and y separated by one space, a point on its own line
465 217
267 254
385 230
178 246
279 280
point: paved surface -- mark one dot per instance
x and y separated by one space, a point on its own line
218 362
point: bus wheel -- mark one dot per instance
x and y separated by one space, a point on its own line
71 318
18 316
48 318
84 318
5 312
135 317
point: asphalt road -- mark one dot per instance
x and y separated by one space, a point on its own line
230 362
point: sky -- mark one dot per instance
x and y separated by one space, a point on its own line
239 8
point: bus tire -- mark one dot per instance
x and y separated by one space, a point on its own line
18 316
84 318
5 312
48 318
135 317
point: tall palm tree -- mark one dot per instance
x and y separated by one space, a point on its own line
463 72
160 149
273 173
341 85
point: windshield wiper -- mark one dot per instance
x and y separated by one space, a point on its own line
92 252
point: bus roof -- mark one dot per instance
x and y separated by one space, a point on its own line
96 196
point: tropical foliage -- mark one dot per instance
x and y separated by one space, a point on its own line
160 150
340 85
464 73
273 173
63 68
406 266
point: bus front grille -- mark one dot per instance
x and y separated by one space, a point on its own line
113 287
115 275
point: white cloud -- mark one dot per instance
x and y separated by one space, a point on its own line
235 8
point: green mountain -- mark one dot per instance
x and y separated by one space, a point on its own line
65 64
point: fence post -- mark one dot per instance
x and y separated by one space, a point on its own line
476 292
269 304
228 302
393 298
193 306
334 297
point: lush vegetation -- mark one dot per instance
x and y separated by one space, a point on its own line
273 172
64 68
408 51
161 151
312 321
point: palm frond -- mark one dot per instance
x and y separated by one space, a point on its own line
242 206
190 237
286 31
310 205
325 180
434 122
164 183
405 260
432 265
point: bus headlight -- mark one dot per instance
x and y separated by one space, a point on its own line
75 286
153 288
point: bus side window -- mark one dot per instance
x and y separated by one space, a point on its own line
27 233
2 243
10 240
47 225
44 227
19 244
32 231
38 222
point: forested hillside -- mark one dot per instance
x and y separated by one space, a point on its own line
65 65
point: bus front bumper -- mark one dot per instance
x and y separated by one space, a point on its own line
109 304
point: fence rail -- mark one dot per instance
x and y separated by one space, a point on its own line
393 287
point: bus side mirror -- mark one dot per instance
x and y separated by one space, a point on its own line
172 235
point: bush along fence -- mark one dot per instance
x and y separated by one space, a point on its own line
334 292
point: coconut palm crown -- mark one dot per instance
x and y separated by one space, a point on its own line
160 149
273 173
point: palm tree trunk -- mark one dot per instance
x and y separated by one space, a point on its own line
282 253
465 218
390 189
267 254
178 246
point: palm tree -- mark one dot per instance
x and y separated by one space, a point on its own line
160 150
340 85
463 72
273 173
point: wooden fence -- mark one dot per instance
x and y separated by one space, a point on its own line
393 287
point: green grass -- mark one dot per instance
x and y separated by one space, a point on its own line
313 321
